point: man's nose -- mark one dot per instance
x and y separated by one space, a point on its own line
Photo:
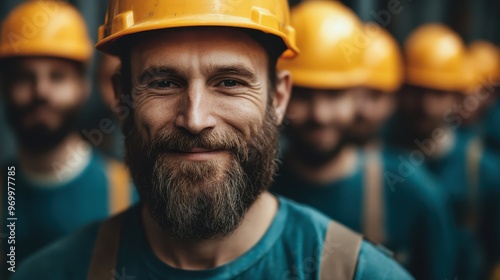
196 110
320 110
41 87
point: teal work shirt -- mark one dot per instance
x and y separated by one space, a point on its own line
290 249
417 224
45 214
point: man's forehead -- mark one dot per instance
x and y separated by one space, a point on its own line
332 91
174 45
32 62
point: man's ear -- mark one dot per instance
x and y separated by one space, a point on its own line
116 81
282 94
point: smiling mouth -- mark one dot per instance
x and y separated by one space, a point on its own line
199 154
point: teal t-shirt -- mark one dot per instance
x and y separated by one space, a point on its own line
290 249
417 224
45 214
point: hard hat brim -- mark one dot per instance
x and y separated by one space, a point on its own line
107 44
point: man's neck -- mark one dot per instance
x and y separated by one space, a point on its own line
206 254
374 144
60 163
444 143
340 166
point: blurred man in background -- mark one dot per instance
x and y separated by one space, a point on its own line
321 169
61 183
484 68
375 102
112 142
486 61
432 106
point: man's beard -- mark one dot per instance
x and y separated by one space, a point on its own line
362 132
206 199
307 152
40 138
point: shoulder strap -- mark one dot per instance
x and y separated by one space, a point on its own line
105 253
118 186
474 154
340 253
495 274
373 199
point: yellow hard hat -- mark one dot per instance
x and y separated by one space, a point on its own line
327 36
126 17
436 58
486 61
45 28
383 62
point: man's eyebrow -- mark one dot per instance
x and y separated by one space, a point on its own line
155 70
237 69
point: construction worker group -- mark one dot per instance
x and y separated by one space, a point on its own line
260 142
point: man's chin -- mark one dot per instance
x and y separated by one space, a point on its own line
318 147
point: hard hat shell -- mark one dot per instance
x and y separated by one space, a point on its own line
436 58
45 28
127 17
485 58
329 37
383 62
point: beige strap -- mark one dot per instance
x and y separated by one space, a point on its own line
495 274
340 253
119 187
373 199
474 154
105 253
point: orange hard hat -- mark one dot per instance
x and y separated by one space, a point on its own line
436 58
383 62
328 36
126 17
45 28
485 58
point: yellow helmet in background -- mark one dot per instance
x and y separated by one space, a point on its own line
383 62
45 28
328 36
485 58
126 17
436 58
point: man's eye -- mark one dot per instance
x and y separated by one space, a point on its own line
229 83
162 84
57 76
23 77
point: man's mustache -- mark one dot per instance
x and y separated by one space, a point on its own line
183 141
32 107
311 125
